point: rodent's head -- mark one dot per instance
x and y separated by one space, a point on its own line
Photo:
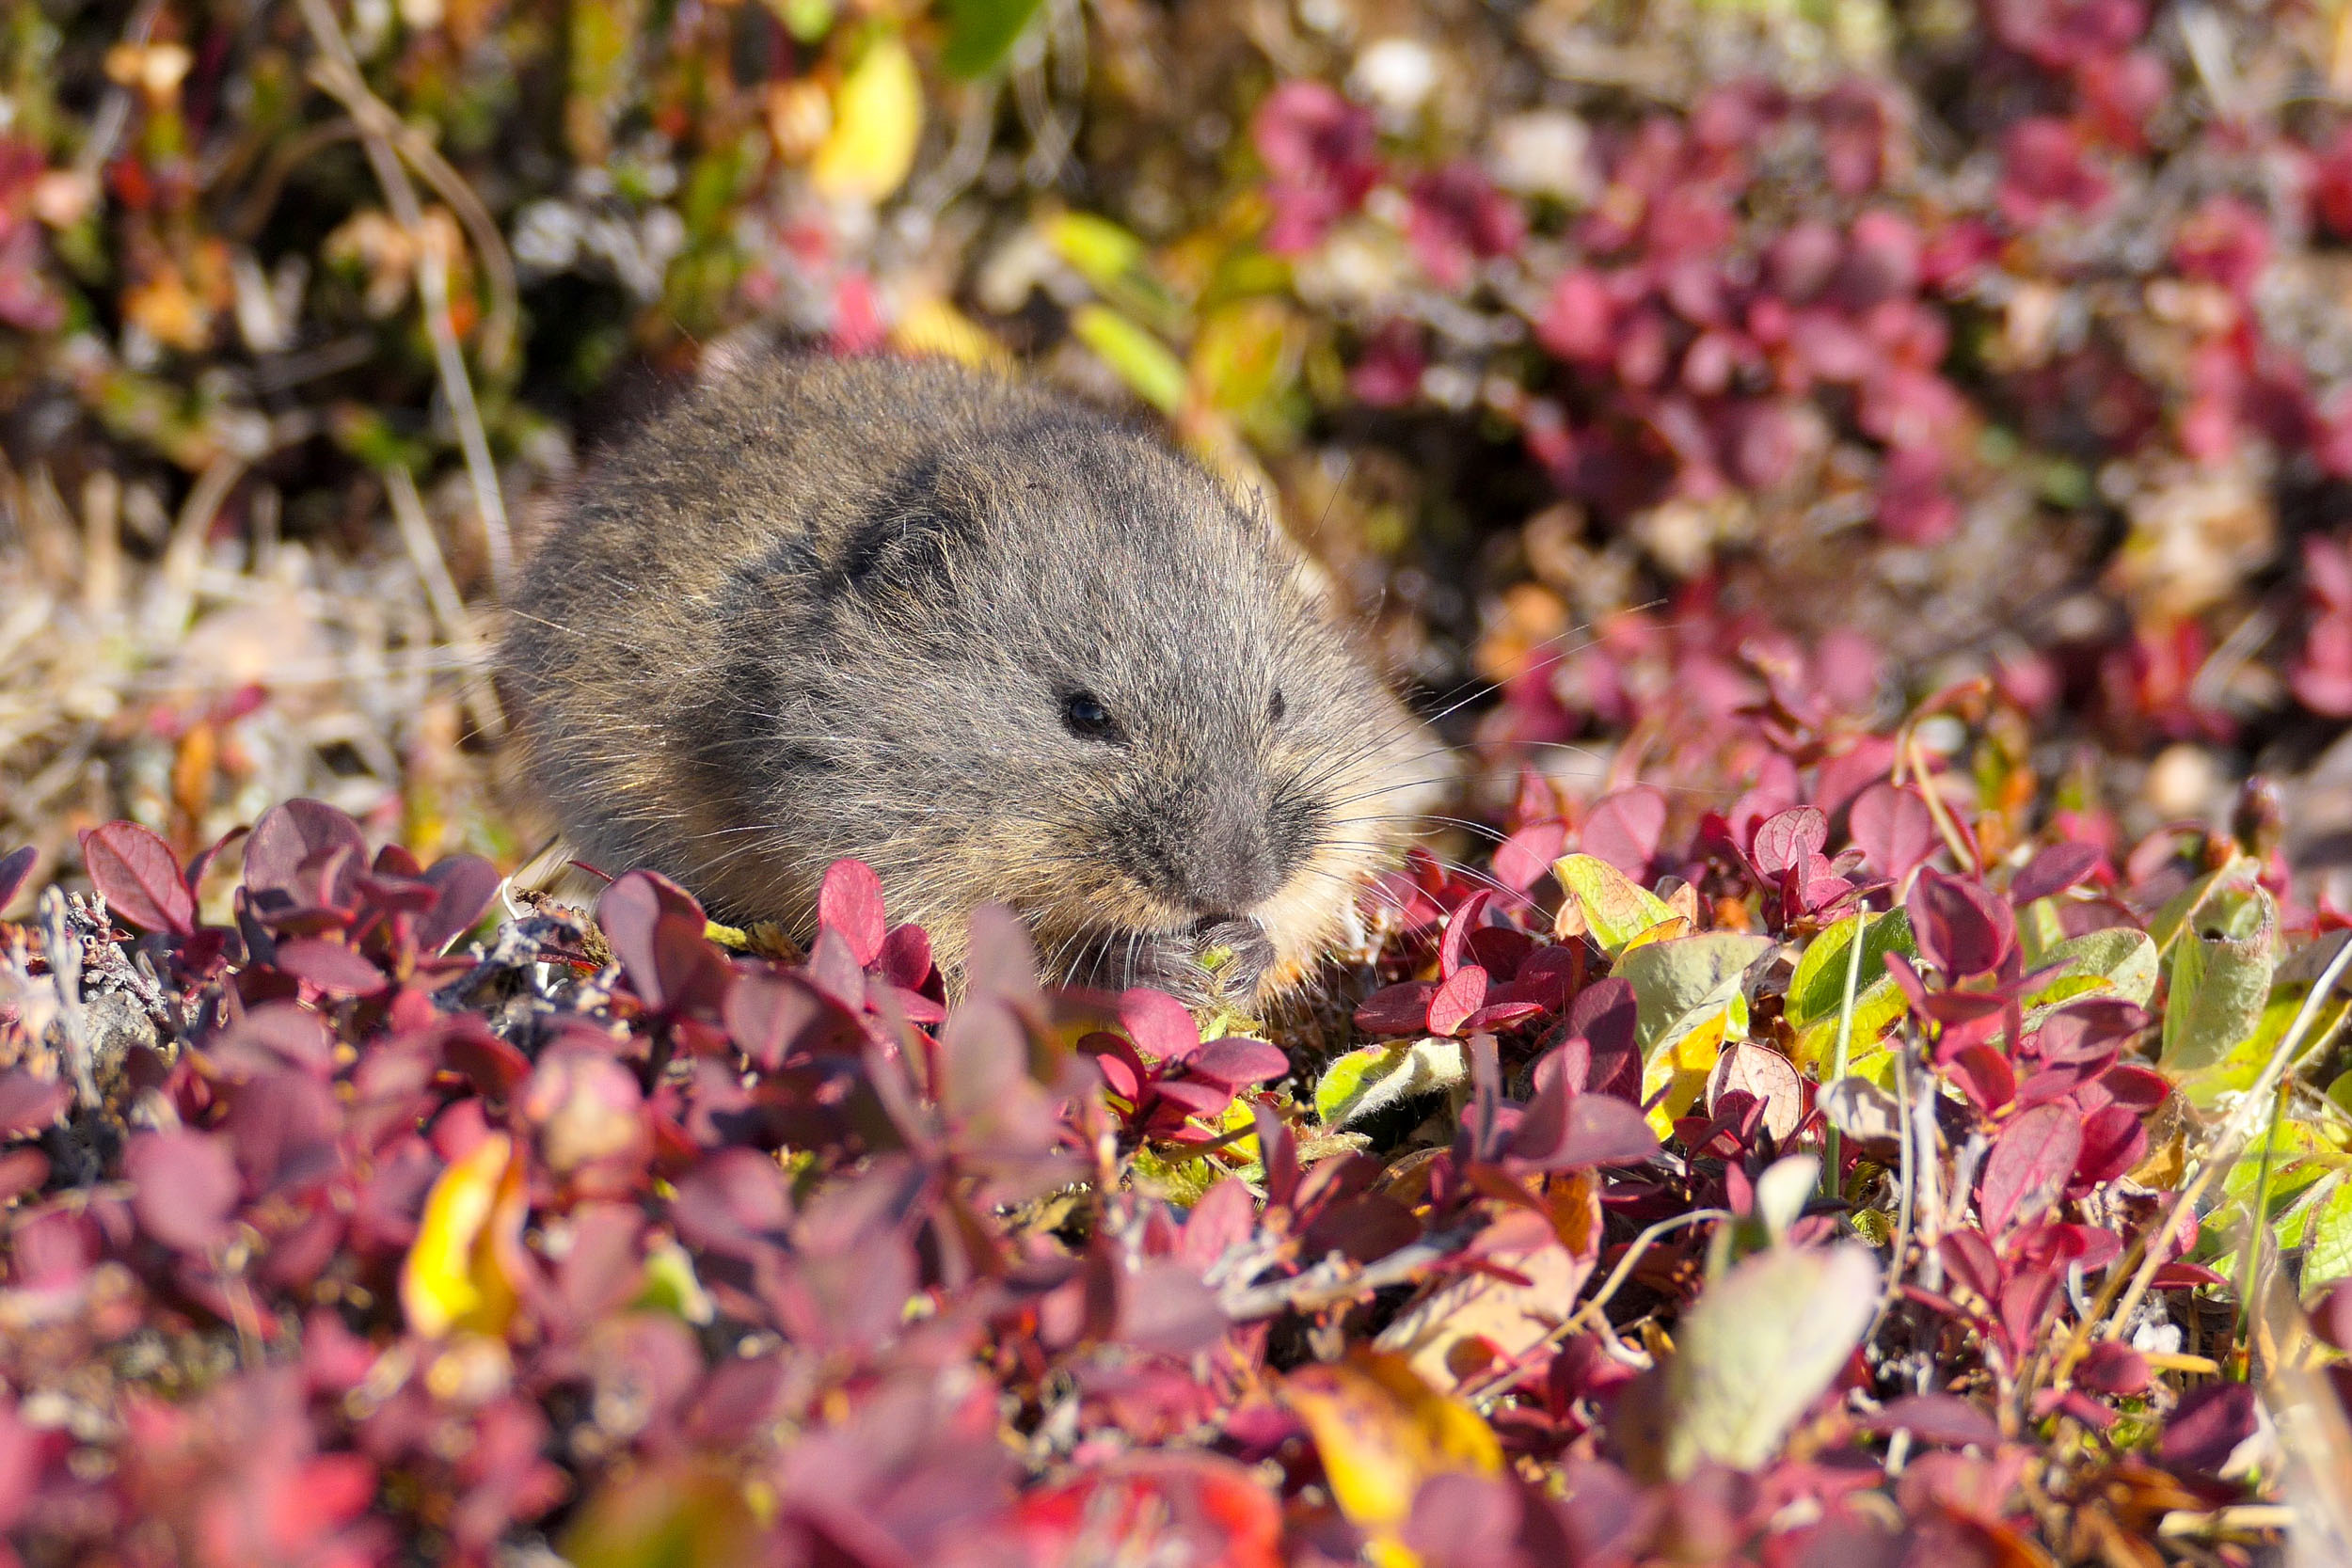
1059 667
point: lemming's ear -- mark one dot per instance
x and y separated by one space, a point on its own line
909 532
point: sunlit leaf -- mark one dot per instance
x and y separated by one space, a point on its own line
1141 360
981 32
877 121
1609 905
456 1276
1762 1344
1368 1080
933 325
1382 1432
2219 980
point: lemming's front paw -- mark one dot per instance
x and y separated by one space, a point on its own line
1216 961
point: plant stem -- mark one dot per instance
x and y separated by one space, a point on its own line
1833 1164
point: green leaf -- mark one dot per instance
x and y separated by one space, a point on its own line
2117 961
980 33
2039 929
1100 251
2238 1068
2220 980
672 1287
806 19
1141 360
1762 1343
1615 908
2327 1237
1378 1076
2239 875
1818 989
1683 982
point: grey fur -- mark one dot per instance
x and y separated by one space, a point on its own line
830 608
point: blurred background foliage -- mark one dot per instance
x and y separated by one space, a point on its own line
1650 361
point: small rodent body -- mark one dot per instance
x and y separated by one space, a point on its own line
988 640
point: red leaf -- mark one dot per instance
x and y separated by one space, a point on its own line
1520 861
1461 996
1224 1218
1173 1508
2054 870
1398 1009
906 957
770 1012
1116 1059
1985 1076
1238 1060
2029 1167
1624 829
1944 1419
27 1105
14 867
140 878
1789 839
1498 1016
272 1036
1961 928
1891 825
1589 1130
466 884
1453 948
2112 1367
2208 1426
1196 1097
850 901
295 844
632 912
1159 1024
330 966
2113 1141
184 1187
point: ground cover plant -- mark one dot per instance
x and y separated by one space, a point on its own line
1855 1079
1843 1179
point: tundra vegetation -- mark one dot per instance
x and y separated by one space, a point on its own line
1858 1079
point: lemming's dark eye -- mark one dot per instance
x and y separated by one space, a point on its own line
1275 707
1087 716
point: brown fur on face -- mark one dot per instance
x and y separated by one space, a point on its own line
986 639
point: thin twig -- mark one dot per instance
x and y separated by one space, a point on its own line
63 949
1592 1314
1336 1280
175 575
114 112
337 71
441 592
1832 1184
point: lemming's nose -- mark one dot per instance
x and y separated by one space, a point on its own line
1232 867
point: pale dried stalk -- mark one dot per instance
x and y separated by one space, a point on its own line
337 71
441 592
102 542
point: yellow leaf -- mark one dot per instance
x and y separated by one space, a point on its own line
1605 903
1681 1069
456 1274
1666 930
932 325
1142 361
1382 1432
877 120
